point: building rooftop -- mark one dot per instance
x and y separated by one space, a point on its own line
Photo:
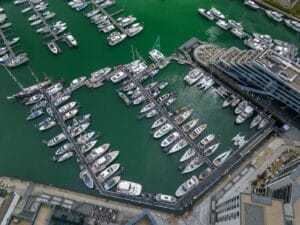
283 68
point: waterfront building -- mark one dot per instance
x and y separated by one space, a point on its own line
286 186
263 73
247 209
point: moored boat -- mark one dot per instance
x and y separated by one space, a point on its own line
187 186
194 164
129 188
112 182
219 160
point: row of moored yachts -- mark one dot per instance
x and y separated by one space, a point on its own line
255 41
8 44
39 18
105 23
99 159
173 141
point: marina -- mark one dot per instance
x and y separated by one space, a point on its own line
131 191
52 32
106 22
9 56
147 150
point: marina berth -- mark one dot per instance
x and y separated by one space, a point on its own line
251 4
34 99
219 160
217 13
34 114
187 155
223 24
83 138
295 25
129 188
87 178
181 144
211 149
197 131
118 77
103 161
47 125
194 164
179 119
193 76
108 172
205 173
206 14
189 125
187 186
111 183
166 128
170 139
88 146
278 17
70 114
115 38
151 113
207 139
63 149
97 152
165 198
159 122
65 157
67 107
17 60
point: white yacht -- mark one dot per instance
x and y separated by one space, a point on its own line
193 76
160 121
156 55
71 40
238 33
194 164
223 24
103 161
251 4
70 114
115 38
295 25
85 137
181 144
278 17
88 146
134 29
256 120
189 125
97 152
207 139
170 139
78 81
187 186
219 160
217 13
206 14
187 155
147 107
211 149
129 188
67 107
163 130
118 77
112 182
165 198
197 131
179 119
108 172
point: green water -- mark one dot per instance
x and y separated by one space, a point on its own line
23 155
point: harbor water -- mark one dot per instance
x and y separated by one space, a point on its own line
23 153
